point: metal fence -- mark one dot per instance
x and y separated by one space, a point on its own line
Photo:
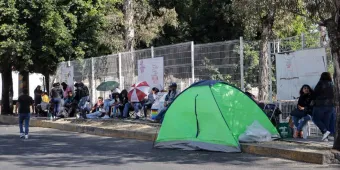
236 62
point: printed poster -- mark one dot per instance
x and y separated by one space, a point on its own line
152 71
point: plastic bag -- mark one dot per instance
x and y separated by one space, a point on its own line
255 133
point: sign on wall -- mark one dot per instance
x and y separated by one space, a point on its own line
295 69
152 71
67 75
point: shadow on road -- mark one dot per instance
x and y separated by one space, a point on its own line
53 148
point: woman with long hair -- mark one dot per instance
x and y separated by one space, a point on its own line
324 104
303 113
37 98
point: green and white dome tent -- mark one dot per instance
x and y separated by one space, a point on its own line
210 115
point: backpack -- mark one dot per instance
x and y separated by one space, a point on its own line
82 91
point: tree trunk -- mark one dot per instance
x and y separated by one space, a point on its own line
267 26
334 35
47 83
23 81
129 25
7 91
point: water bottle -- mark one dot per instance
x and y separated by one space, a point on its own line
50 116
305 131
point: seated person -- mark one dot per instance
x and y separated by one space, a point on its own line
44 106
108 103
97 110
170 97
151 99
136 107
303 113
123 101
70 104
117 103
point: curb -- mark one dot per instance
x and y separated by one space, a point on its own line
83 129
308 157
300 156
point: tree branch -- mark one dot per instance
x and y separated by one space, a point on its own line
300 14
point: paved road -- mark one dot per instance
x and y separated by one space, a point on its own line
53 149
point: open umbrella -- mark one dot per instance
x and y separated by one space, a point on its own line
138 91
107 86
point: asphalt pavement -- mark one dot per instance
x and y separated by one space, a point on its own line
54 149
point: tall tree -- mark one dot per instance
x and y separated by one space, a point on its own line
201 21
325 13
61 30
14 49
129 25
259 17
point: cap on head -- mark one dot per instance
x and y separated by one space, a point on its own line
173 85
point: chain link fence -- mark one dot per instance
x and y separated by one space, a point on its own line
236 62
218 61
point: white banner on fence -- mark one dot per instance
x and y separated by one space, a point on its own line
67 75
298 68
152 71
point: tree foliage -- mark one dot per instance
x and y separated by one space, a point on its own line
200 21
14 49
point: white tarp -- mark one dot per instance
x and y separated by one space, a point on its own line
15 79
152 71
34 80
298 68
67 75
255 133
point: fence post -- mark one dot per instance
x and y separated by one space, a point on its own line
241 63
270 73
93 88
152 52
302 41
193 62
120 71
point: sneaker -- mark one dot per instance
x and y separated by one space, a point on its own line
22 135
154 121
84 116
326 135
26 136
331 138
78 116
326 140
106 117
296 134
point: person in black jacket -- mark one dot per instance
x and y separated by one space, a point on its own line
303 113
123 97
324 104
57 94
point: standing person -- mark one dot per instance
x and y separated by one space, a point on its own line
169 98
24 103
324 104
57 95
304 111
66 89
37 97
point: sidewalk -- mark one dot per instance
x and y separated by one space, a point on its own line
310 151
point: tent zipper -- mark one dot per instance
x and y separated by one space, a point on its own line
198 126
